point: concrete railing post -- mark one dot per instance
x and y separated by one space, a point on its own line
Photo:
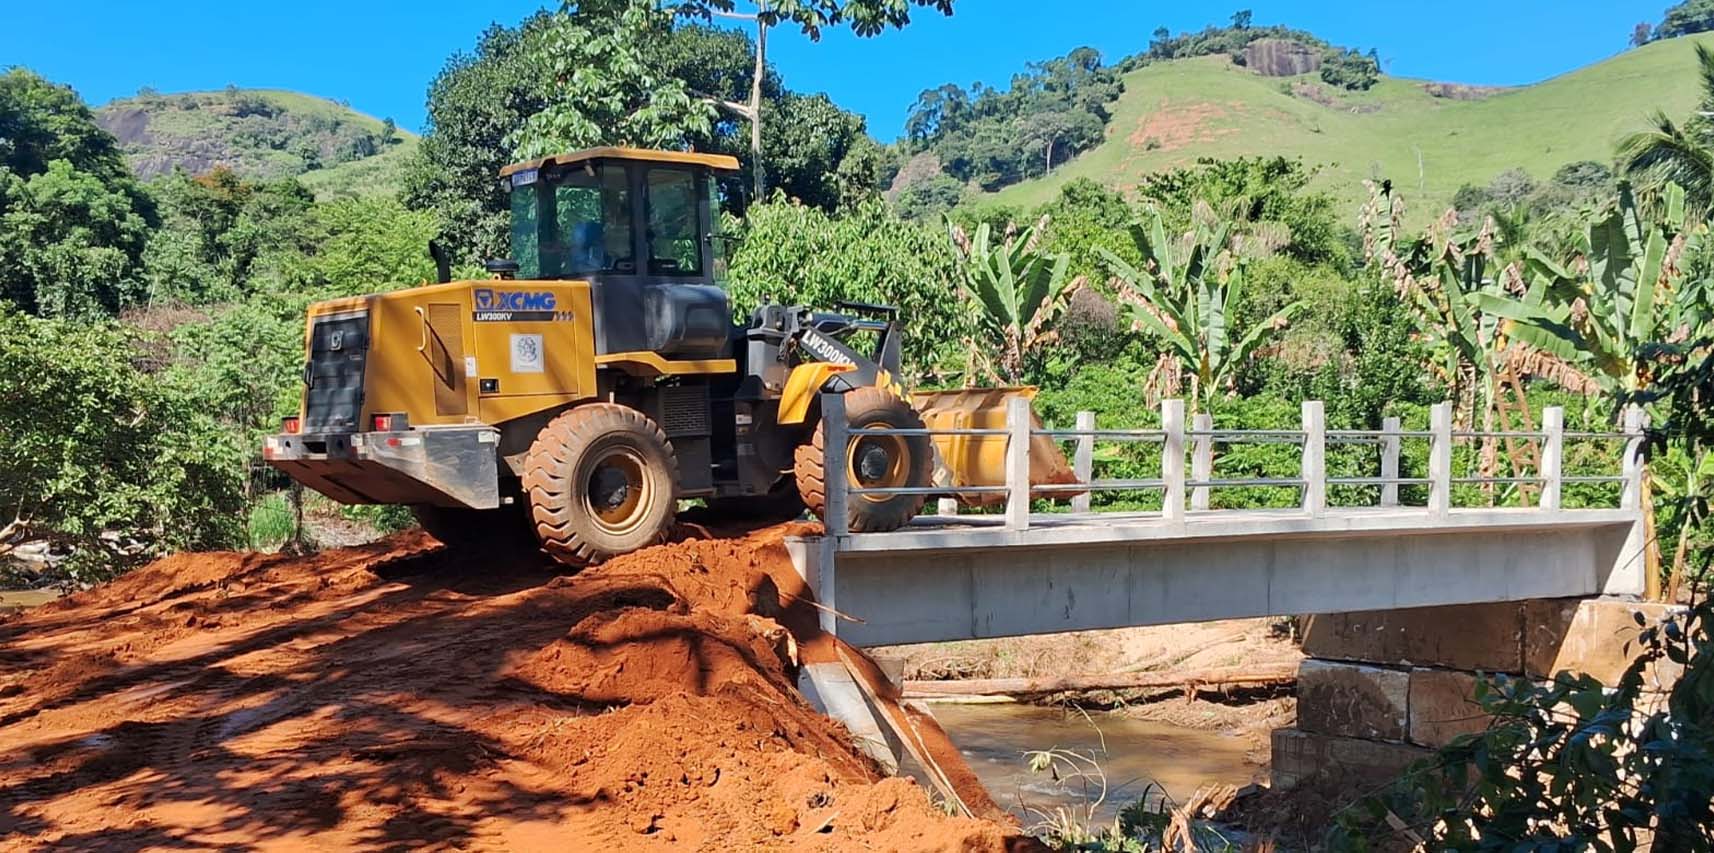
1018 464
1314 459
1440 459
1172 459
835 450
1389 461
1552 456
1632 495
1201 458
1083 461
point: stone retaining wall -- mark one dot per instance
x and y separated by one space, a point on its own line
1381 689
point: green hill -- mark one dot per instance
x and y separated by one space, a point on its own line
260 134
1175 112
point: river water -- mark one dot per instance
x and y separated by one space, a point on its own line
1140 758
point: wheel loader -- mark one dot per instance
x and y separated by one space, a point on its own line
598 379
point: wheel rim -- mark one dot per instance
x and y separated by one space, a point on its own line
617 492
878 462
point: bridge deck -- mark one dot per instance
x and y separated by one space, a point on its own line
970 577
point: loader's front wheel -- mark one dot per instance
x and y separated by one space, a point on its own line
600 480
873 461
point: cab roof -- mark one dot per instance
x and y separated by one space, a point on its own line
717 162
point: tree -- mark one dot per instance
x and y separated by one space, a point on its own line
73 222
1690 16
135 467
1598 310
1241 19
799 255
1018 290
1641 34
1186 294
607 91
1349 69
1669 152
1160 44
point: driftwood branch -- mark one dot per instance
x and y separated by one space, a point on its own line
1264 675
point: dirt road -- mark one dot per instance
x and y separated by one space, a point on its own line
391 696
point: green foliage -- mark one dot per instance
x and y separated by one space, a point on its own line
1185 295
1349 69
606 89
104 459
865 17
1213 41
73 223
995 137
1598 308
1268 196
795 254
1685 18
219 232
1018 291
930 199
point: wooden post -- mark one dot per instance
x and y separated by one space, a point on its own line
834 451
1172 460
1083 461
1552 456
1201 458
1440 459
1390 461
1314 459
1018 464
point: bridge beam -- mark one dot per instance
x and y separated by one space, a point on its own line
1070 574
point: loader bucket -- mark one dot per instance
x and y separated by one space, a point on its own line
980 460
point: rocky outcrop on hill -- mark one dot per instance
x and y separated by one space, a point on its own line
1281 57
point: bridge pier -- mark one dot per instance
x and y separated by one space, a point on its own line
1381 689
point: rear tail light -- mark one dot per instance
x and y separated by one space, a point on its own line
394 422
289 426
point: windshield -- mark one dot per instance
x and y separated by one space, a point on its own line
574 223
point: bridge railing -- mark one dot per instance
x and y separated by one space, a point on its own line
1187 487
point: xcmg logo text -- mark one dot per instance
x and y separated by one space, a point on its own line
489 299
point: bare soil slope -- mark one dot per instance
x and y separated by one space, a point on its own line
391 696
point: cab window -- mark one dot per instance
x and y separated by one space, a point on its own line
574 223
674 248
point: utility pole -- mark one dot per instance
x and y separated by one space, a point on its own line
752 111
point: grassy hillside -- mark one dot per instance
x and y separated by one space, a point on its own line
259 133
1172 113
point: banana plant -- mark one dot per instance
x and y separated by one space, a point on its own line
1612 297
1019 291
1186 293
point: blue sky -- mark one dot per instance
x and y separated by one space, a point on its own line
380 56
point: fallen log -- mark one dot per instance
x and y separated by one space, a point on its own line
1262 675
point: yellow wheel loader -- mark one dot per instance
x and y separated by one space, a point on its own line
598 379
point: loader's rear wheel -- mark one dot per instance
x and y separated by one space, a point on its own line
874 461
600 480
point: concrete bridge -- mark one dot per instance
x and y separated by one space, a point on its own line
950 577
1390 676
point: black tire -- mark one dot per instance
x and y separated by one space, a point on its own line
601 481
487 531
781 503
872 461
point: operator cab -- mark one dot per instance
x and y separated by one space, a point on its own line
637 226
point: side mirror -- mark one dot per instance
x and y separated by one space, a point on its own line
501 267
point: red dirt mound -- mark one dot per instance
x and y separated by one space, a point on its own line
393 696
